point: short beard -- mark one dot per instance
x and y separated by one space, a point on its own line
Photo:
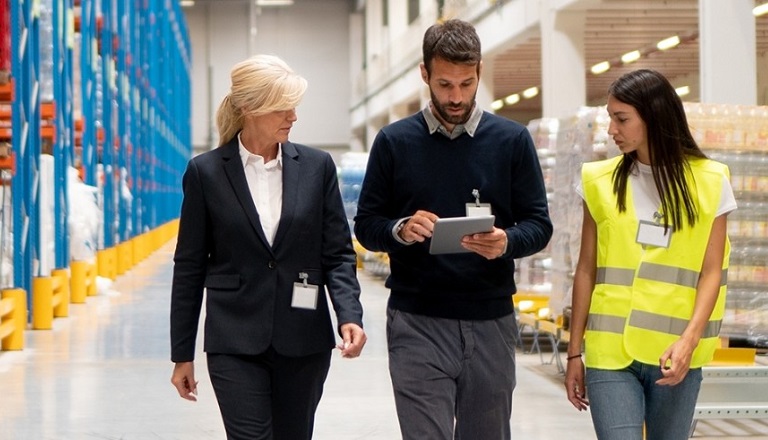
456 120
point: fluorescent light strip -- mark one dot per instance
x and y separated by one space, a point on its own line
274 2
630 57
497 104
668 43
599 68
760 10
512 99
682 91
530 92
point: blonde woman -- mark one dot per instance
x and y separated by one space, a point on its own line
263 232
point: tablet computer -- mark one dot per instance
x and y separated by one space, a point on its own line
447 234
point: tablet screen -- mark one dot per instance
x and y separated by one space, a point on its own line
447 234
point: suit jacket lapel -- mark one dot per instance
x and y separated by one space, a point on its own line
233 167
291 173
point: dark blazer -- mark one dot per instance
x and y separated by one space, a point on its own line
221 247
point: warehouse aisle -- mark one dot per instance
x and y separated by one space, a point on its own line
103 373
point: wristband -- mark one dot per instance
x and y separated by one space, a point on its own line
573 357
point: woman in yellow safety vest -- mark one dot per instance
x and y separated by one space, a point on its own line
649 287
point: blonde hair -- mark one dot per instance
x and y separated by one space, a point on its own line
261 84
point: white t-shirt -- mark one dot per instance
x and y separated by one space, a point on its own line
647 199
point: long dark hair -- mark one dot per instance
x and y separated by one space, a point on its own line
669 143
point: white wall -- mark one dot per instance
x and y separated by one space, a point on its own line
312 36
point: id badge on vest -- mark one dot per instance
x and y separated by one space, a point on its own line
653 234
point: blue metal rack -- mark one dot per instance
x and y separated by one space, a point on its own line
134 70
169 113
64 133
88 65
25 142
149 49
123 47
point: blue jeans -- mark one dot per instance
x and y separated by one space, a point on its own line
621 401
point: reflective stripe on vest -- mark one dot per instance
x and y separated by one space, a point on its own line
674 275
666 324
647 321
606 323
652 271
615 275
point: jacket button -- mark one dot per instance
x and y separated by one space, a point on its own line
272 264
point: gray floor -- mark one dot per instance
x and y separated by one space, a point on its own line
103 373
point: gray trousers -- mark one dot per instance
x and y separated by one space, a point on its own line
452 379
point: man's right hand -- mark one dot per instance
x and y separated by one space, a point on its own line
419 227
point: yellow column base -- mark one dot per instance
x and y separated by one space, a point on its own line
15 321
79 282
106 262
124 257
42 303
61 292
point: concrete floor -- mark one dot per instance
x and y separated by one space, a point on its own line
103 373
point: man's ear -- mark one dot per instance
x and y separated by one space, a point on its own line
424 73
479 69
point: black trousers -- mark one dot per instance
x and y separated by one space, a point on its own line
268 396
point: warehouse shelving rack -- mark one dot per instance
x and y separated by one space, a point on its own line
128 135
63 140
25 140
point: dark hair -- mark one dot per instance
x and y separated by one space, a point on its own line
455 41
669 143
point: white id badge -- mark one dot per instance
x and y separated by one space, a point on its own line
478 209
304 296
653 234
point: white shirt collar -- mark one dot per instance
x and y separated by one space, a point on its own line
245 155
469 127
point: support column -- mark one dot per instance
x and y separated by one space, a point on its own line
727 46
564 85
370 133
485 95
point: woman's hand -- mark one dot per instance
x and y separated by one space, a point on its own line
675 362
353 340
183 379
574 384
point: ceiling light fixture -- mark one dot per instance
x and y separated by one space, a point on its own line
530 92
668 43
630 57
497 104
274 2
512 99
682 91
599 68
186 3
760 10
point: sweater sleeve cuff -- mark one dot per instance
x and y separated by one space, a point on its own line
396 229
506 247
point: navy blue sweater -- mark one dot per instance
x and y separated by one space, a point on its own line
409 169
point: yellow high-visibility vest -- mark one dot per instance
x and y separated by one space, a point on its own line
644 295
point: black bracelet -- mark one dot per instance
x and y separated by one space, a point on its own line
573 357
